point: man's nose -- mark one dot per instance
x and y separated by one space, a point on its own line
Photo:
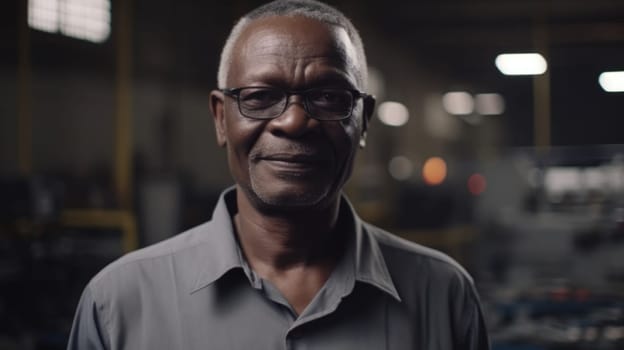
295 120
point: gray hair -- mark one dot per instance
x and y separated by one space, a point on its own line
306 8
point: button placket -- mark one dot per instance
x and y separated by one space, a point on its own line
292 336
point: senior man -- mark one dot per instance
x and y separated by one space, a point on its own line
285 262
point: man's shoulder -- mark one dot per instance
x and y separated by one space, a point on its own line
139 263
405 257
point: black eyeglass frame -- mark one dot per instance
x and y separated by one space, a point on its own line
235 93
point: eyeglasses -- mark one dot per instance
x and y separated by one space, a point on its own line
271 102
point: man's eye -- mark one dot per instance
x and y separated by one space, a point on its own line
330 98
260 97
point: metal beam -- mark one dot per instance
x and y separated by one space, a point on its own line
123 113
24 100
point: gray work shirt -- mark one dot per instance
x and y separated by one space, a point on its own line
196 291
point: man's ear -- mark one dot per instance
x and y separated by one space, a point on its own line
216 107
369 108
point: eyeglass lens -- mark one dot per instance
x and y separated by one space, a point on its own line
327 104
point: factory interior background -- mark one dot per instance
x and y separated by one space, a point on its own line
515 170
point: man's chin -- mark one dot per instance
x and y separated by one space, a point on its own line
289 198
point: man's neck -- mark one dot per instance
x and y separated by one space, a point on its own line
294 251
284 240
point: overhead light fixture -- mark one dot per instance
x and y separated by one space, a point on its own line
434 171
521 64
489 104
82 19
43 15
393 113
458 103
612 81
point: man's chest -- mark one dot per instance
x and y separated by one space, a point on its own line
244 318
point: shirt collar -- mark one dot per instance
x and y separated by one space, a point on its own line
221 253
370 266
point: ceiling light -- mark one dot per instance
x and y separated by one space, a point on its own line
489 104
393 113
43 15
521 64
612 81
458 103
83 19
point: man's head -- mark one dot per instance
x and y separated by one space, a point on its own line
303 8
299 158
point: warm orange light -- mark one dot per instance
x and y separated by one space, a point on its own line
476 184
434 171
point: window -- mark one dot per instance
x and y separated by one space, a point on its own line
82 19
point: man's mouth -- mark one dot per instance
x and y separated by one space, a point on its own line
294 163
294 158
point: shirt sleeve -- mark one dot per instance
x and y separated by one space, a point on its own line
476 336
88 330
473 335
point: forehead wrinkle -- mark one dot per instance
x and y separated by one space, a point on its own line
333 62
304 72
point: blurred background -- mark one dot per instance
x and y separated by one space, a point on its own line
513 165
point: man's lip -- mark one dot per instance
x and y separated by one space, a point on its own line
293 158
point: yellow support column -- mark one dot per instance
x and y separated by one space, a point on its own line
123 112
24 77
123 125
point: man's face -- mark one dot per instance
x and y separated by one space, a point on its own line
292 161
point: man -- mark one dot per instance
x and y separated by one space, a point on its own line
285 263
